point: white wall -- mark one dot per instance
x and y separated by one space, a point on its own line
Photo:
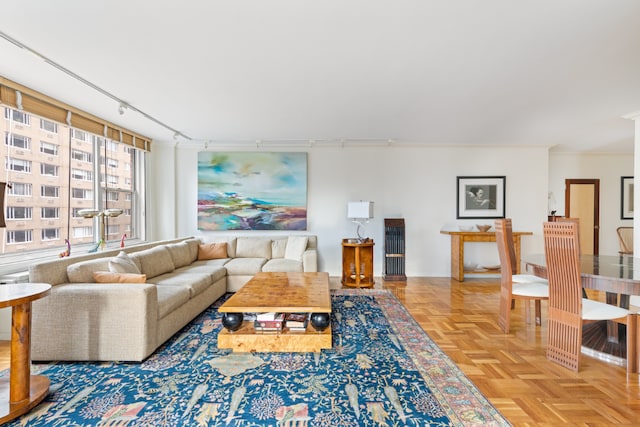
414 182
608 168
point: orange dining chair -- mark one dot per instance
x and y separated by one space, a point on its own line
568 310
533 289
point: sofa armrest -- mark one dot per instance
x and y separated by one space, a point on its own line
95 321
310 261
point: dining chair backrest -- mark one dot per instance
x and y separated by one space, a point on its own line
562 255
625 239
577 222
506 271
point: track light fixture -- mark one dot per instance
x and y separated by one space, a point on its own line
121 108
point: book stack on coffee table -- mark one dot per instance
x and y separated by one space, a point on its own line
296 322
271 322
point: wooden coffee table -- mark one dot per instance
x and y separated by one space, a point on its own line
283 293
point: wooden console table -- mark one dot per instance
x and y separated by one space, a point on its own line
459 238
23 391
357 263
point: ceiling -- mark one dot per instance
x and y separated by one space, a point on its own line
559 73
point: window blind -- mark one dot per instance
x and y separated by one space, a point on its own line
12 93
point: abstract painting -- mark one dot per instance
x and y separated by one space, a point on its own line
252 191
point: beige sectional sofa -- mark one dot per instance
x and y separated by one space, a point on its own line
85 320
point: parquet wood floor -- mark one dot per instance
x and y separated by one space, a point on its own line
510 370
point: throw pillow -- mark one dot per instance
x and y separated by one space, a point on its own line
123 264
278 246
212 251
296 245
253 247
109 277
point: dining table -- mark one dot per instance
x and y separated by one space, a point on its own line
618 276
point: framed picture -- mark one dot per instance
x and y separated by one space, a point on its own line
626 197
480 197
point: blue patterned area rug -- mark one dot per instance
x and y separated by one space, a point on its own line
383 370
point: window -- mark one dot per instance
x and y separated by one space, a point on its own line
111 146
19 212
48 126
20 189
64 182
81 175
112 196
78 134
49 191
19 236
81 193
18 165
50 213
50 234
113 229
17 116
17 141
81 232
48 170
48 148
112 180
82 156
75 214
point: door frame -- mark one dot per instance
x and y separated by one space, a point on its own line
596 206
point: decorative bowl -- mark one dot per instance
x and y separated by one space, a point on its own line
483 227
465 228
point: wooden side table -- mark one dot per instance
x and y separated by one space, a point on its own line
458 239
22 391
357 263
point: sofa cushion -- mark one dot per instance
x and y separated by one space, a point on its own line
180 254
244 266
209 264
109 277
170 298
154 261
193 248
253 247
82 272
212 251
123 264
282 264
195 282
278 247
296 245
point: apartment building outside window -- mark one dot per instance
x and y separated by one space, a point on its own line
50 213
19 212
20 189
49 191
19 236
48 169
48 126
17 116
68 163
18 141
48 148
18 165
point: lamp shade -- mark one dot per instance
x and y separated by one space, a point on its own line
360 210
